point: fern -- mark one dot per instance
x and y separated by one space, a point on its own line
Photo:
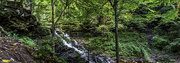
146 55
28 41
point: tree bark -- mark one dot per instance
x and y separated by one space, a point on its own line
31 6
1 3
38 13
116 29
15 4
115 7
21 2
53 27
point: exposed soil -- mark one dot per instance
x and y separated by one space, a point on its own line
14 50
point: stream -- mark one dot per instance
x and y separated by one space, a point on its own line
149 35
75 47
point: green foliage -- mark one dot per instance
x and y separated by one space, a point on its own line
96 16
44 50
146 55
28 41
160 42
102 28
162 17
71 25
62 60
163 43
96 43
15 36
175 45
132 45
42 47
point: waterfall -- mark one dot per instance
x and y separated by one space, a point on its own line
83 52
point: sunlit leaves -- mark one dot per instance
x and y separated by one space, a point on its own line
151 10
127 17
170 15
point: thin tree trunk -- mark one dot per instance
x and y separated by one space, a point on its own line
31 6
1 3
53 27
15 4
38 12
116 32
21 3
115 7
63 11
88 56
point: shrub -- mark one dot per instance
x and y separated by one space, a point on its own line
130 44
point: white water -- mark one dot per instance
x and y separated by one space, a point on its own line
69 44
81 51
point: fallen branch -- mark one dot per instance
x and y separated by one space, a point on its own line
2 31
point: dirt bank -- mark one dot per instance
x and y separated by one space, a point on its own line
14 51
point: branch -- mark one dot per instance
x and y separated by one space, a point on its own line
115 2
103 4
111 3
2 30
62 12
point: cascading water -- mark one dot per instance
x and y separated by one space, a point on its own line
83 52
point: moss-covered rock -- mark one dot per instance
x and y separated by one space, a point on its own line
20 20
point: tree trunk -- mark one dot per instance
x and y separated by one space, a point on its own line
116 30
38 14
53 27
31 6
15 4
21 2
1 3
